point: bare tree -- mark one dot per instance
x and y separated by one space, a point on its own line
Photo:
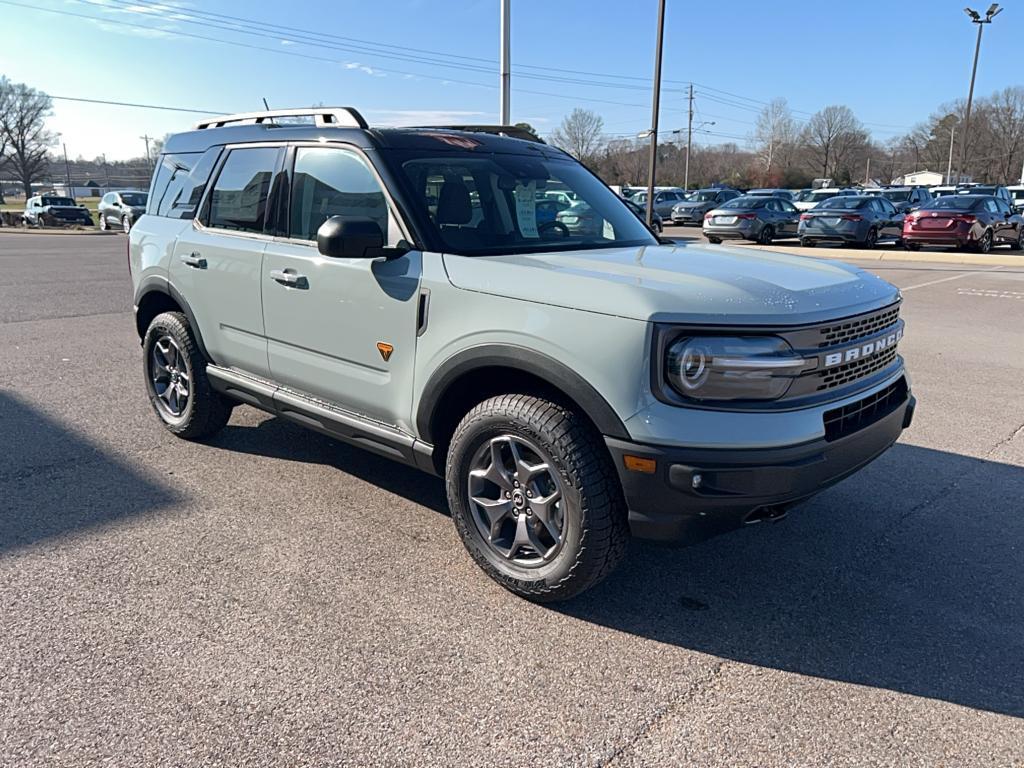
834 137
579 134
775 136
23 126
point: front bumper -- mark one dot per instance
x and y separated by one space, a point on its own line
740 486
688 217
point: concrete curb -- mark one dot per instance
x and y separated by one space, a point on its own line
60 232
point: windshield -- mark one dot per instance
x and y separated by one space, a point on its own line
479 204
942 192
58 201
744 203
818 196
136 199
979 191
847 203
896 195
954 203
705 196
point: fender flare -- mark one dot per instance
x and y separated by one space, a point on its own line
159 284
546 368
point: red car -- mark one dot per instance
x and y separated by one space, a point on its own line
977 222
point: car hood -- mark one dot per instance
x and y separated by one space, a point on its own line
684 283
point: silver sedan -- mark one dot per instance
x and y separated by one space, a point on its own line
761 219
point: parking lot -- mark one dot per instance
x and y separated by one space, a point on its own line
275 597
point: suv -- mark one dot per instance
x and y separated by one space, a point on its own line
905 199
54 210
393 288
121 208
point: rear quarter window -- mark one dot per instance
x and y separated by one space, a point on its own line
179 182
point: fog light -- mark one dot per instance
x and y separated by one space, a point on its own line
697 480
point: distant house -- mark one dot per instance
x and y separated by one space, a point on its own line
925 179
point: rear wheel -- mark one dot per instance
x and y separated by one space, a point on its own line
911 246
984 244
871 240
714 240
806 242
176 380
535 498
766 235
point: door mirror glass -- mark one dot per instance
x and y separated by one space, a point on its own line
341 237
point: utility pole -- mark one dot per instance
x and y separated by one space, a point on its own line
149 160
867 173
949 164
653 166
505 117
965 135
67 171
689 143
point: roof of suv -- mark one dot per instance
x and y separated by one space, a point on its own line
344 124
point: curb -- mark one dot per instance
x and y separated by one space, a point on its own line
932 257
59 232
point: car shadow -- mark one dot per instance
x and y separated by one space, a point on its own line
907 576
54 482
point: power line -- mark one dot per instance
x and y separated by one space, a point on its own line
141 106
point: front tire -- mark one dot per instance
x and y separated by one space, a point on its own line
126 224
102 223
984 245
535 498
176 381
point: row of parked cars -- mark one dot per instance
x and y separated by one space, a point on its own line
116 210
978 217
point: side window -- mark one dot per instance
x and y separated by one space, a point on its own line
772 205
787 206
334 182
239 198
990 206
180 184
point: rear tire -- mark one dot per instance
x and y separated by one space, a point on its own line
571 532
807 242
870 241
176 381
714 240
766 235
984 245
911 246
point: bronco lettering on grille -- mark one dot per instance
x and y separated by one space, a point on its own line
863 350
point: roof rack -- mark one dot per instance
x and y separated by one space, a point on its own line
345 117
511 131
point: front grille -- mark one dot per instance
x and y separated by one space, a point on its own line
847 373
841 422
852 330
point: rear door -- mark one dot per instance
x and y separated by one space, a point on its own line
217 263
790 217
341 329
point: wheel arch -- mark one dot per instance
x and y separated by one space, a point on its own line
154 296
482 371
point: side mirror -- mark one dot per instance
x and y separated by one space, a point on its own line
346 238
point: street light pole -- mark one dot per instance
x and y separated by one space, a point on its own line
949 164
506 74
653 166
689 143
981 22
67 171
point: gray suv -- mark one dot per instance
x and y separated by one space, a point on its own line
121 208
398 290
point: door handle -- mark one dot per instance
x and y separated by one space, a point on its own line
193 260
285 277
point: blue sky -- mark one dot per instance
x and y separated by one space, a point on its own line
891 62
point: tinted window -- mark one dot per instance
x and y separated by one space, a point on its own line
746 203
787 206
179 183
136 199
845 202
333 182
954 203
772 205
58 201
239 198
897 195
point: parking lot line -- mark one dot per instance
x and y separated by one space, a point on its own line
947 279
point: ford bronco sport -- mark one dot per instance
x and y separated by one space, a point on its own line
395 289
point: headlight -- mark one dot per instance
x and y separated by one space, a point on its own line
732 367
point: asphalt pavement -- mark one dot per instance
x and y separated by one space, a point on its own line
273 597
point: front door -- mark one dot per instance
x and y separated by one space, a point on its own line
341 329
217 263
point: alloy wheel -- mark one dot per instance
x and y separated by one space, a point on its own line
517 501
126 225
985 243
170 377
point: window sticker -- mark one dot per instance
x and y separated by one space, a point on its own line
526 209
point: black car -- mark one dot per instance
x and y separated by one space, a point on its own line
121 208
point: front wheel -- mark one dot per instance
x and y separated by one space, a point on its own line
1018 243
984 244
176 380
102 223
911 246
535 497
126 225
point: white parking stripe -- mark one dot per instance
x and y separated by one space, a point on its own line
947 279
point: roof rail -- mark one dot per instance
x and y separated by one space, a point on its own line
346 117
511 131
